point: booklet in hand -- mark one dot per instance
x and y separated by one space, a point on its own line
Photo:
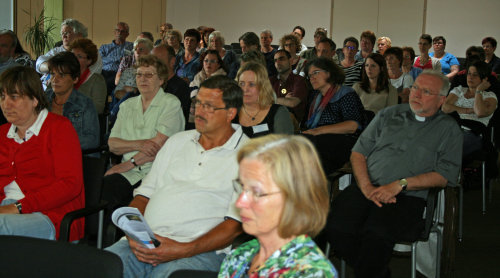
133 224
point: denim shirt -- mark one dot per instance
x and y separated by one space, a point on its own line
80 110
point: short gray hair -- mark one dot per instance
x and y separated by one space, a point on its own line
11 34
267 31
147 42
217 35
445 81
76 25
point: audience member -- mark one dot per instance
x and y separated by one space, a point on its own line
20 56
489 46
253 56
90 84
449 63
45 182
290 88
141 47
291 44
112 54
282 209
400 80
67 101
352 68
383 43
146 35
474 103
325 48
71 29
367 40
266 38
335 115
205 35
143 125
216 42
164 28
319 34
248 41
174 84
375 90
386 202
300 32
188 60
407 64
192 174
8 41
260 115
424 61
174 39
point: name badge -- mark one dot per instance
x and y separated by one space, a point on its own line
260 128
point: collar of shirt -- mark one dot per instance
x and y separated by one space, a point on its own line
32 130
230 144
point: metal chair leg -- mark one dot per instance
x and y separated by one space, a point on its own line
342 268
414 259
100 228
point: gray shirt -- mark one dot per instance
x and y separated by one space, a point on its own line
397 146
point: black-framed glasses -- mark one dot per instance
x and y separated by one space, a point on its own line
148 75
426 92
254 194
209 108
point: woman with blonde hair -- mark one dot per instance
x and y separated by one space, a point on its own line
174 39
259 114
282 206
383 43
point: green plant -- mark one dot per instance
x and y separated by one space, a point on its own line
38 36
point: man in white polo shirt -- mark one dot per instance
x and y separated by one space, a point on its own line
187 198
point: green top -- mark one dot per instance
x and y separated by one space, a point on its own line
163 115
298 258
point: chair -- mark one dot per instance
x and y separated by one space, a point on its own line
431 226
93 172
24 257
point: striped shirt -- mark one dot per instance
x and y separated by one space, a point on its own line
352 73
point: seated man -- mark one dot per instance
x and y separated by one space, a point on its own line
188 198
144 124
290 88
113 52
266 38
248 42
405 150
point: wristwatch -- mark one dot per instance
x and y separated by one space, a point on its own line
19 207
133 162
403 183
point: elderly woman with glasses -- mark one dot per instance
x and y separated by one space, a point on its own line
143 125
335 115
283 206
473 103
259 114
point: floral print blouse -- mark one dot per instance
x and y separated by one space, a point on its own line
298 258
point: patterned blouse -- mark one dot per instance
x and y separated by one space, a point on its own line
298 258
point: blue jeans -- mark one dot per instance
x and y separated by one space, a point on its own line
133 268
30 224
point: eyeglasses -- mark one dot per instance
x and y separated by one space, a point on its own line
148 75
350 47
314 73
208 61
66 34
209 108
425 92
253 193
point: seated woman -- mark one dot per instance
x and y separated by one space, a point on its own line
375 90
216 42
424 61
449 63
291 43
141 47
174 39
407 65
335 115
473 103
259 114
65 100
283 206
46 181
351 67
90 84
400 80
383 43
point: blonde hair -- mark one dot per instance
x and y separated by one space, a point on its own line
305 193
266 92
387 40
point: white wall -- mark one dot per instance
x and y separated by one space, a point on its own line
461 22
6 14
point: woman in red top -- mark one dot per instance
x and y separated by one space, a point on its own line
424 61
40 161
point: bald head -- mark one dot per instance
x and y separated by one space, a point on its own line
166 54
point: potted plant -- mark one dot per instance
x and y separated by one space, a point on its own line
38 36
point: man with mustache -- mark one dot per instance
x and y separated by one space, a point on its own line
188 198
405 150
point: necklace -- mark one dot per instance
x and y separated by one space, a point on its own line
251 117
58 103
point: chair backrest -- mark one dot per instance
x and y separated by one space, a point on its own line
430 208
93 173
32 257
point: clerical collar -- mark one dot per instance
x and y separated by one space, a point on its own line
419 118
